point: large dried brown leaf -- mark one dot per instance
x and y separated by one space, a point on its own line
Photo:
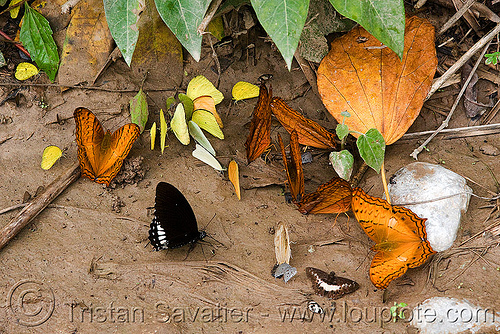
259 138
294 172
377 88
310 133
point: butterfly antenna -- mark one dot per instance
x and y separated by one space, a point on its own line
204 228
217 241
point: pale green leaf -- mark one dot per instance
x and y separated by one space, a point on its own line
342 163
139 110
283 21
183 17
188 105
179 126
122 17
384 19
206 120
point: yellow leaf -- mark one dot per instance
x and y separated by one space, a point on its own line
152 133
50 155
245 90
199 86
282 244
163 131
207 122
14 11
25 71
179 125
207 103
234 177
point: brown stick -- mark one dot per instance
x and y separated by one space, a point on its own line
37 205
466 56
445 123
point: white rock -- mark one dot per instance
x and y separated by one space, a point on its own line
450 316
425 183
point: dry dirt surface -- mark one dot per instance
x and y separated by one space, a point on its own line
84 265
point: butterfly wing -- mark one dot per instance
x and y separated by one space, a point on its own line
309 132
330 285
89 135
294 172
259 137
174 223
399 234
120 144
332 197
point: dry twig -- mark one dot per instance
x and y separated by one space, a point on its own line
419 149
39 203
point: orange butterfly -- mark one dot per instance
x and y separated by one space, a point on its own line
294 172
101 153
331 197
259 137
310 133
399 234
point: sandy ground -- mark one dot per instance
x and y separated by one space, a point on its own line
80 267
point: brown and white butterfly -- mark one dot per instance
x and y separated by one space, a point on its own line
330 285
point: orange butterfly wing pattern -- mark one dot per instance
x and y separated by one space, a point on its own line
399 234
310 133
332 197
294 172
100 153
259 138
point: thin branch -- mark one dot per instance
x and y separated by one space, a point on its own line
452 110
13 6
468 131
210 14
27 84
37 205
475 48
456 16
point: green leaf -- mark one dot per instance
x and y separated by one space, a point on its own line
170 102
283 21
188 105
342 131
122 17
139 110
371 147
36 37
183 17
342 163
384 19
2 60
